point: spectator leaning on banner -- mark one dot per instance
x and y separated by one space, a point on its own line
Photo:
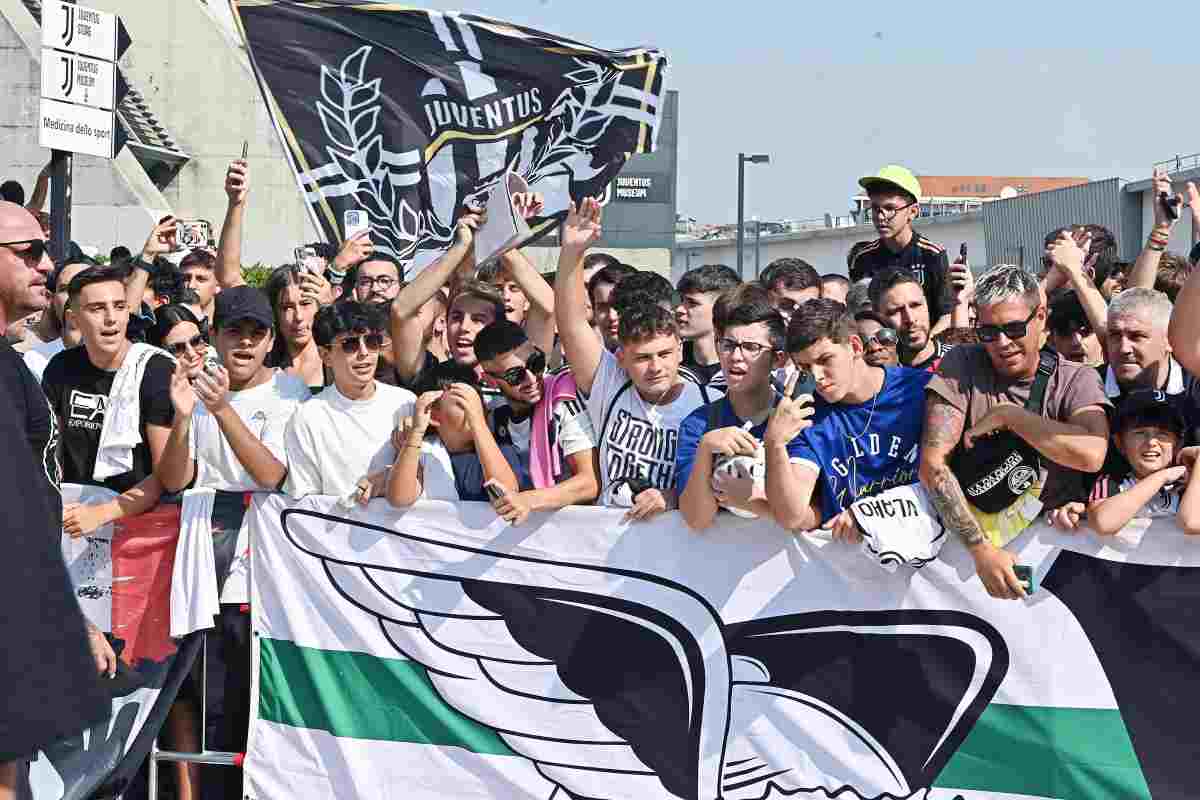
636 398
862 436
790 282
993 452
543 418
340 442
698 289
895 202
720 459
897 296
109 438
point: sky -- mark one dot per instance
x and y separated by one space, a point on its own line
833 91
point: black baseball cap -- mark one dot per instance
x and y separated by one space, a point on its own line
242 302
1149 405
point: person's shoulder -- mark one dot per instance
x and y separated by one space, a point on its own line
394 394
860 249
62 364
927 245
160 363
291 387
906 377
964 357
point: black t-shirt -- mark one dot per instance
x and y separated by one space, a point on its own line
923 258
78 393
35 419
703 372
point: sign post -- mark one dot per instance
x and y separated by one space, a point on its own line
81 87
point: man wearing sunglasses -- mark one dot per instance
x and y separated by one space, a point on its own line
543 419
895 203
1070 332
978 401
879 339
340 441
897 295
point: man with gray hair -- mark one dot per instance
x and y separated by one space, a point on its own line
1008 427
1139 355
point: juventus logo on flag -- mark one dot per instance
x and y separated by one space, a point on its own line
409 115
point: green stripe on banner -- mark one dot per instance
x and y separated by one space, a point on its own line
359 696
1069 753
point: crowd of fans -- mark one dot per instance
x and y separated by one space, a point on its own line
785 398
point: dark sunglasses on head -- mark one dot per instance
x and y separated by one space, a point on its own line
373 341
35 251
1013 330
884 337
535 365
195 343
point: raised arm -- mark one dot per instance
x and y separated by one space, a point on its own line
539 320
582 346
158 243
1068 258
491 459
962 293
790 486
1145 268
1184 330
176 467
942 432
37 201
405 480
229 247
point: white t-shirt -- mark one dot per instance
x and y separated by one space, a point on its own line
39 355
573 427
332 441
437 472
640 439
266 410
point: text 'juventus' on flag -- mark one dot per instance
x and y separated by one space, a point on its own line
409 114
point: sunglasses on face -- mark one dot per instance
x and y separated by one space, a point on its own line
884 337
1012 330
194 343
535 365
35 251
372 341
1071 329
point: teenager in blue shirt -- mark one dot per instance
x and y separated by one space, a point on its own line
750 345
862 436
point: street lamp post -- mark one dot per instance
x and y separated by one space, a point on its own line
757 236
741 219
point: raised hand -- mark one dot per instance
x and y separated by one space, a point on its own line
468 223
354 250
315 286
183 396
213 389
791 416
237 182
1162 185
160 241
582 228
528 204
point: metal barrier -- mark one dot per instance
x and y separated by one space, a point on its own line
204 757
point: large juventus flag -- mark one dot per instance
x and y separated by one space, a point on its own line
409 114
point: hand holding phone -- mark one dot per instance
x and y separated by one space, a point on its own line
1026 578
354 222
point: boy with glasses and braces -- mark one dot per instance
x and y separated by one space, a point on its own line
895 195
543 419
340 442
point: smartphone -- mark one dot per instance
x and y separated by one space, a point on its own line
245 149
1026 577
354 222
192 233
806 385
494 489
307 259
962 252
1170 205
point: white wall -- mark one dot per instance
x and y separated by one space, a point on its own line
826 249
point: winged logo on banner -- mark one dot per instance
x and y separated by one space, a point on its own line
618 684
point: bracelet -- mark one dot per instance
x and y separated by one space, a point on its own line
1157 246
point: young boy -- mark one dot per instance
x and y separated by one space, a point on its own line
1148 430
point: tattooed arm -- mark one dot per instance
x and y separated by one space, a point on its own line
943 430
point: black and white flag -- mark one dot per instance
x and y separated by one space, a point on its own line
409 114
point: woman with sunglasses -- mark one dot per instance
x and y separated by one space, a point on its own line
879 339
177 331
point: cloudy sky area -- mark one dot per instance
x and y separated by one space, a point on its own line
834 90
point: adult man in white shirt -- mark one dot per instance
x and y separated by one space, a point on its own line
340 442
637 397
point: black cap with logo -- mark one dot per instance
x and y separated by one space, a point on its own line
1149 406
242 302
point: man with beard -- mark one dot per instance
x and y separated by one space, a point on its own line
899 298
543 419
895 202
981 423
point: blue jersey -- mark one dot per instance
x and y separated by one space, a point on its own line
863 449
695 425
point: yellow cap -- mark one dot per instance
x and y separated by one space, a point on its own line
893 176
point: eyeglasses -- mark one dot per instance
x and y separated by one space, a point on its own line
384 282
35 251
884 337
888 213
1013 330
535 365
373 342
194 343
749 349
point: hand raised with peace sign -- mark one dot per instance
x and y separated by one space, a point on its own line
791 416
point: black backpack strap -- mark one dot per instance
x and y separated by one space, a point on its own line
608 411
1047 366
713 410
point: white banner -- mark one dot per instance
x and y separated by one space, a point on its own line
440 653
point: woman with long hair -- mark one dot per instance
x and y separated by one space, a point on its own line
295 306
177 330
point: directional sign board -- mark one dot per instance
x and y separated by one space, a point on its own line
66 26
81 85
